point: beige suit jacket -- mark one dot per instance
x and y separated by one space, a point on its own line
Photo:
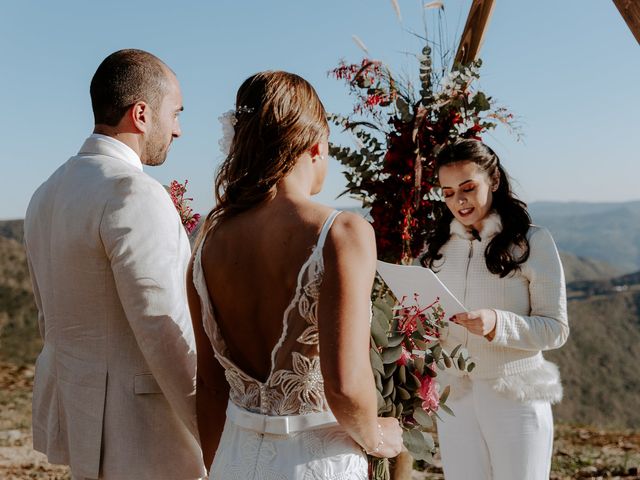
114 392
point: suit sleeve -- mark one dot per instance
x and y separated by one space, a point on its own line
547 326
145 244
36 296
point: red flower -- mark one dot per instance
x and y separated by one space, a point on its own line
187 217
428 393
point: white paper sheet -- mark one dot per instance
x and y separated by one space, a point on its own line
408 280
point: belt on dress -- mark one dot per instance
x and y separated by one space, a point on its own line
278 425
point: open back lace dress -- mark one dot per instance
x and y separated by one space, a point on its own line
282 428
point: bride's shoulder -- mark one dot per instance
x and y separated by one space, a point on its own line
353 221
351 231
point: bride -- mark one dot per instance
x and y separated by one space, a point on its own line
279 290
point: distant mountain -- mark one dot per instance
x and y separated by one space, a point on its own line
586 269
608 232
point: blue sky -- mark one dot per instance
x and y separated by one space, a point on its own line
568 69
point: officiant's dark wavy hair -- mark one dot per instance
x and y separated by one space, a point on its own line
278 117
510 247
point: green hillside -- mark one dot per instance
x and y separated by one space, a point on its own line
19 338
598 363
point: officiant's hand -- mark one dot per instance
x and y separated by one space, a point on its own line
479 322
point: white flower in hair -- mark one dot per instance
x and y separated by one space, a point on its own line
228 121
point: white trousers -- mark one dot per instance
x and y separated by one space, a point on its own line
493 437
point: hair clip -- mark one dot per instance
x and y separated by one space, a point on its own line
244 109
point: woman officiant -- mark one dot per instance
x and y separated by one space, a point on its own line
507 273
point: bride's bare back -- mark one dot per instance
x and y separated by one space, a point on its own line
251 263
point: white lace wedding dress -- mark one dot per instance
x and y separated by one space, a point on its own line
283 429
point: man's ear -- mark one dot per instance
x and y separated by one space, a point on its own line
140 114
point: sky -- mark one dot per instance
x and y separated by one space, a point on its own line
568 70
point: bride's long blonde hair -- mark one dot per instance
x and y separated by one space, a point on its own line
278 117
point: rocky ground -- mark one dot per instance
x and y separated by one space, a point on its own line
579 452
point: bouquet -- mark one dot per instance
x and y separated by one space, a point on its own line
189 219
405 356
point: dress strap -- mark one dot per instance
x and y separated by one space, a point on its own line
326 227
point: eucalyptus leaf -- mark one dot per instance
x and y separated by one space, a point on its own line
445 394
416 444
461 362
403 109
420 344
447 409
376 361
378 378
391 354
379 335
395 340
436 351
381 319
480 102
447 360
413 382
388 387
419 364
402 374
422 417
389 369
402 393
428 438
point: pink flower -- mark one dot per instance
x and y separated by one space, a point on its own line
404 356
429 394
187 217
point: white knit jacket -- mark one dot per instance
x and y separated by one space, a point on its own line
531 309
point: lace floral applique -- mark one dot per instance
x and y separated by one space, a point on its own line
303 387
242 392
308 307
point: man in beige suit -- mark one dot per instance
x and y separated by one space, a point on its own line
114 392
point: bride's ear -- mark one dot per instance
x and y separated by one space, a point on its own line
314 151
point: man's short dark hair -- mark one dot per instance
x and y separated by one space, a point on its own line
124 78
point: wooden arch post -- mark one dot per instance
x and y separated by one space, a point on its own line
474 30
630 11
